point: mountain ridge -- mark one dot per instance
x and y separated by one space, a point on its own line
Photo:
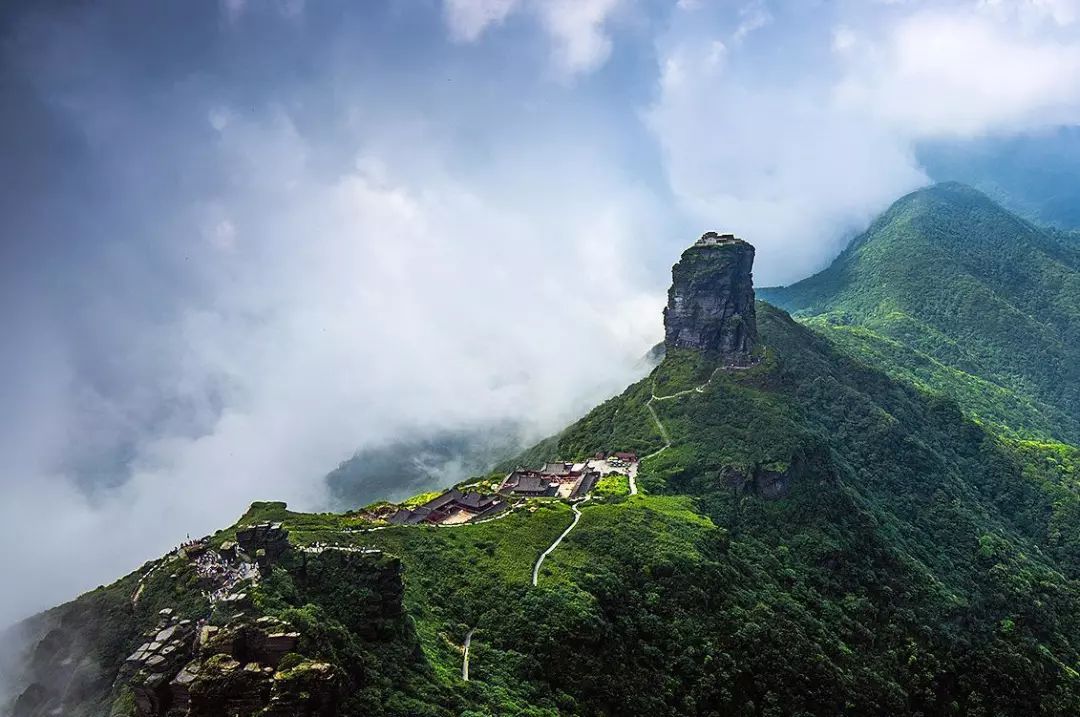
812 532
1010 313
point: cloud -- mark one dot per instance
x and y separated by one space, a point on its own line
292 8
752 16
844 39
468 19
1033 13
798 149
576 29
369 309
963 73
235 258
776 164
233 9
274 290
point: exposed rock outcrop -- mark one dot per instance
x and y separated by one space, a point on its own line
769 482
266 542
711 300
239 663
235 669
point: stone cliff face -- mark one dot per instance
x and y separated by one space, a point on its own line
191 654
711 300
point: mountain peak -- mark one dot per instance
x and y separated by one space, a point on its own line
969 285
945 192
711 299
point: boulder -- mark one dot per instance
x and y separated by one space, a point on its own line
266 541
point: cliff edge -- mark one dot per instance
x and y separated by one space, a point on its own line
711 300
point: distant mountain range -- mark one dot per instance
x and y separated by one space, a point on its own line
427 460
868 506
1036 175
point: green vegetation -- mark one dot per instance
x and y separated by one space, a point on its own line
879 518
621 423
914 561
979 299
682 370
611 487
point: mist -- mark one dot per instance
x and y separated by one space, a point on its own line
244 240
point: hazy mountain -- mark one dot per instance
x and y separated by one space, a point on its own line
430 460
1035 174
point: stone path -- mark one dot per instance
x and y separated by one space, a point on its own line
142 580
660 428
320 548
159 563
659 425
465 661
540 560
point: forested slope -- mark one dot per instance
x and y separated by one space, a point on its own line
950 291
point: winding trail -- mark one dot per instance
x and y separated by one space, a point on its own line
695 389
631 477
540 560
659 425
142 579
465 661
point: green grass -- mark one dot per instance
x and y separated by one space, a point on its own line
1005 410
655 528
682 370
611 487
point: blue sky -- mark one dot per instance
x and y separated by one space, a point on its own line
243 239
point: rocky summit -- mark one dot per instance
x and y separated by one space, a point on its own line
711 300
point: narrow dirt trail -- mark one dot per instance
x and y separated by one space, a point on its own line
465 660
540 560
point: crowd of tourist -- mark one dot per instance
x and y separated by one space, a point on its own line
223 573
318 547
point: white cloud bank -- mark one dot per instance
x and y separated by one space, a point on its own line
795 136
467 19
940 73
345 312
